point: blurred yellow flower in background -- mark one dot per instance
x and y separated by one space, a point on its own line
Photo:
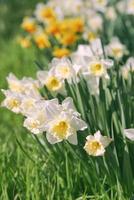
29 24
61 52
41 40
53 28
44 13
24 42
67 38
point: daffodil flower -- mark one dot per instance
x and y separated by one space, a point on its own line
95 145
29 25
25 86
63 68
49 79
115 48
63 123
44 13
36 118
12 101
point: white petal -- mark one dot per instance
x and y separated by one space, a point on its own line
78 124
51 139
97 135
73 139
11 76
108 62
68 103
100 152
105 141
96 47
90 137
52 111
129 133
42 75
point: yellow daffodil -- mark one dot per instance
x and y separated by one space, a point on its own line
29 24
25 42
67 39
53 28
41 40
61 52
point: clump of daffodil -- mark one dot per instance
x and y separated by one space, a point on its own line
59 121
96 144
54 78
92 64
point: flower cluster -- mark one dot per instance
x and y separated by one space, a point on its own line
60 121
60 26
88 61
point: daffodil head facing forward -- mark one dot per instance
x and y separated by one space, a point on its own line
95 145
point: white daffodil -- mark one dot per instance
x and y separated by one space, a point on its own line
44 13
35 124
95 145
94 49
79 56
12 101
14 83
28 104
63 68
37 118
97 68
63 123
91 64
129 133
25 86
51 81
116 49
